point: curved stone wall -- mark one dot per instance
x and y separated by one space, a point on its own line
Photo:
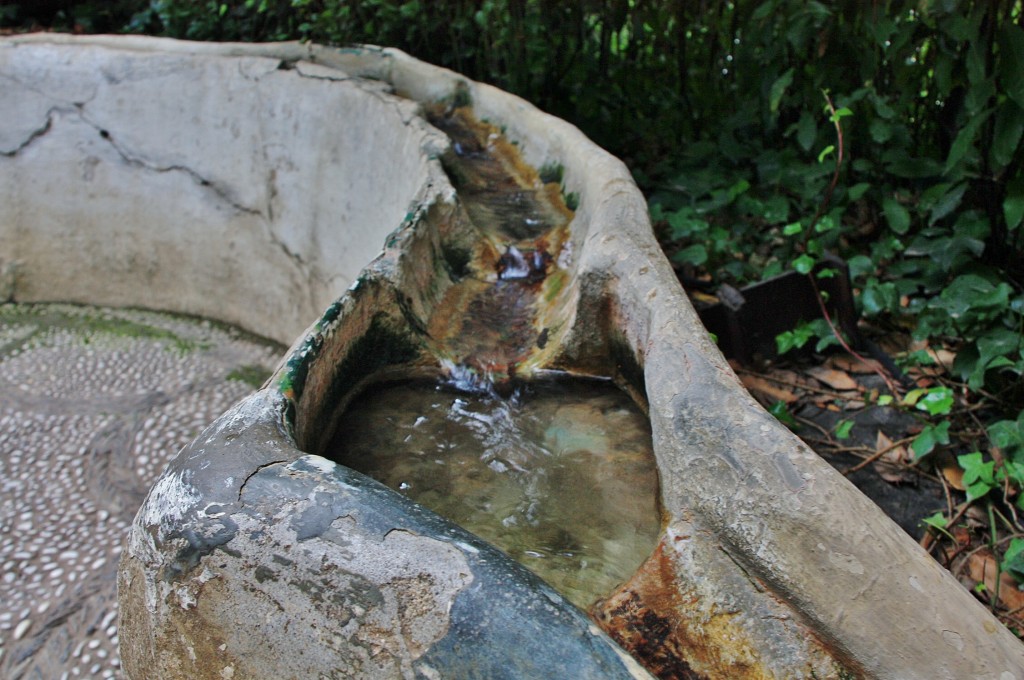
249 189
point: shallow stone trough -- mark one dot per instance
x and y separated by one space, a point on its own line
299 192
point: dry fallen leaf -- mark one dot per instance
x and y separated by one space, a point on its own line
925 371
765 389
982 567
962 535
837 380
954 475
892 465
943 357
787 376
698 296
853 365
823 400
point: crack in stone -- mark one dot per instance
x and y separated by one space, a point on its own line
35 134
323 71
241 487
271 185
221 192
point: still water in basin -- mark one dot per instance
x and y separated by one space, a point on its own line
560 475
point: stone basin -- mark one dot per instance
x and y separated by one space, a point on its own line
300 192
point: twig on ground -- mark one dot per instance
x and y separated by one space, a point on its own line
878 454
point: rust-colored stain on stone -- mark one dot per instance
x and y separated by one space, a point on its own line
669 632
491 321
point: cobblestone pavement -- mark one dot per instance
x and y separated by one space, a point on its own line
93 403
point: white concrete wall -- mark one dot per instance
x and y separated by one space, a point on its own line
221 186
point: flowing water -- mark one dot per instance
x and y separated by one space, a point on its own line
494 320
560 475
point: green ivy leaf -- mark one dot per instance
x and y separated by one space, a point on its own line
778 89
950 253
806 131
804 264
409 10
994 350
1013 205
695 254
896 215
855 192
973 298
1013 559
825 224
801 335
781 412
1012 471
879 297
882 108
786 341
1011 61
936 401
776 209
938 522
792 229
979 475
839 115
860 265
930 437
947 203
964 140
1008 435
975 62
683 224
1008 130
825 341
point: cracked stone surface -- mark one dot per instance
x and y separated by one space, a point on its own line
96 403
255 173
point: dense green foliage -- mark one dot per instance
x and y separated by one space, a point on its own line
765 133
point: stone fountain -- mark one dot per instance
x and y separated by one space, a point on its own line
275 185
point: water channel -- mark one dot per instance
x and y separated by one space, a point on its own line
559 474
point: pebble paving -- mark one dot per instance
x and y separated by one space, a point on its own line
93 404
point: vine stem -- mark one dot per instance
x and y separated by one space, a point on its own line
822 207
